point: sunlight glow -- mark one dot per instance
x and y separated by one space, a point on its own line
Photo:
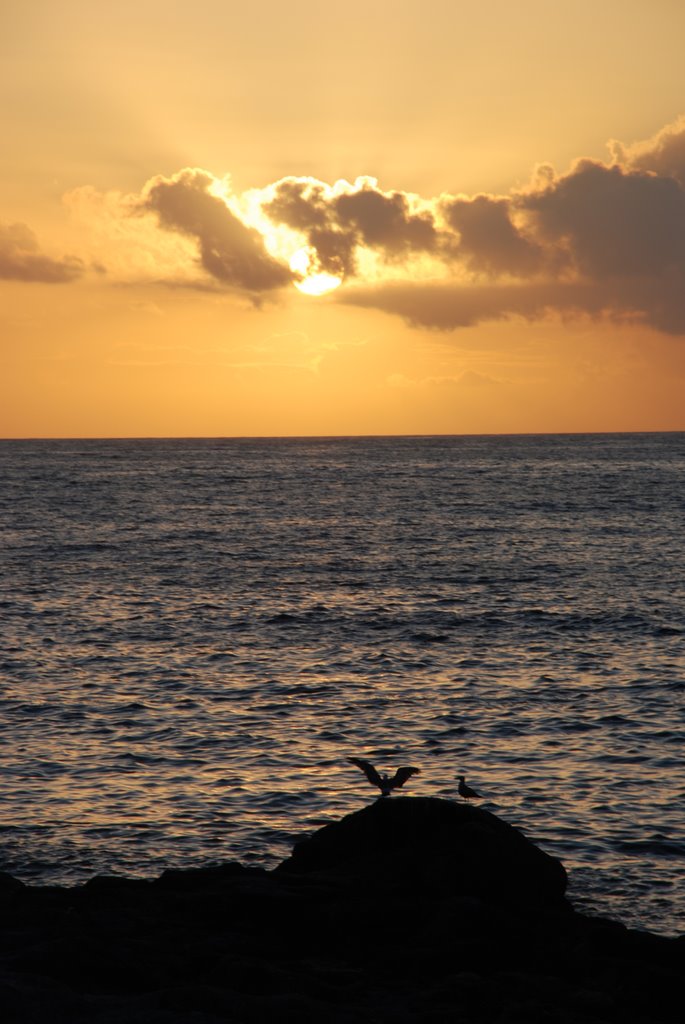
313 281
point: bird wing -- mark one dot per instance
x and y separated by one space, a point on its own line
369 770
401 776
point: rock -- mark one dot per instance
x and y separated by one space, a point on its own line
9 884
409 910
430 843
113 884
193 879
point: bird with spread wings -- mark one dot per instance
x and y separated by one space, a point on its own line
384 782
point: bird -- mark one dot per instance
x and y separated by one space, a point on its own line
384 782
466 791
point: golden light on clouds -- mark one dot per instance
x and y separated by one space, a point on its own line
604 239
486 265
309 279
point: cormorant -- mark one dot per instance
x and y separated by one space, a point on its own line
384 782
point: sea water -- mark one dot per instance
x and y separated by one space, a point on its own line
196 635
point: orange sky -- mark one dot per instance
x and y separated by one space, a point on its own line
376 218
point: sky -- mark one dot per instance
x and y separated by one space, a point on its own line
221 219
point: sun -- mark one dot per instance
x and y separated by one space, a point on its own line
312 281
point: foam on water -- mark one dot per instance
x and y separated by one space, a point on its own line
197 634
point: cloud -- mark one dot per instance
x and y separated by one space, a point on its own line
612 222
338 221
446 306
603 239
130 248
22 260
489 242
664 154
230 251
384 220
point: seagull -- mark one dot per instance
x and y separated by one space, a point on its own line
384 782
466 791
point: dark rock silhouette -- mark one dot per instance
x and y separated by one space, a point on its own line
426 841
411 911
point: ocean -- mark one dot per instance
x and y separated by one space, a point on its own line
196 635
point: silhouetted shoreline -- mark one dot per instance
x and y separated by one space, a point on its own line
412 909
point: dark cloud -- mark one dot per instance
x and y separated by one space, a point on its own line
337 223
303 205
299 203
385 221
22 260
604 239
613 222
488 240
446 306
229 250
600 240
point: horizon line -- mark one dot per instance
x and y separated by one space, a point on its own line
335 437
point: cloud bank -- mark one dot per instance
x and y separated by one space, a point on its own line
604 239
22 260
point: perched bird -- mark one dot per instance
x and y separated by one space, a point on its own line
384 782
466 791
